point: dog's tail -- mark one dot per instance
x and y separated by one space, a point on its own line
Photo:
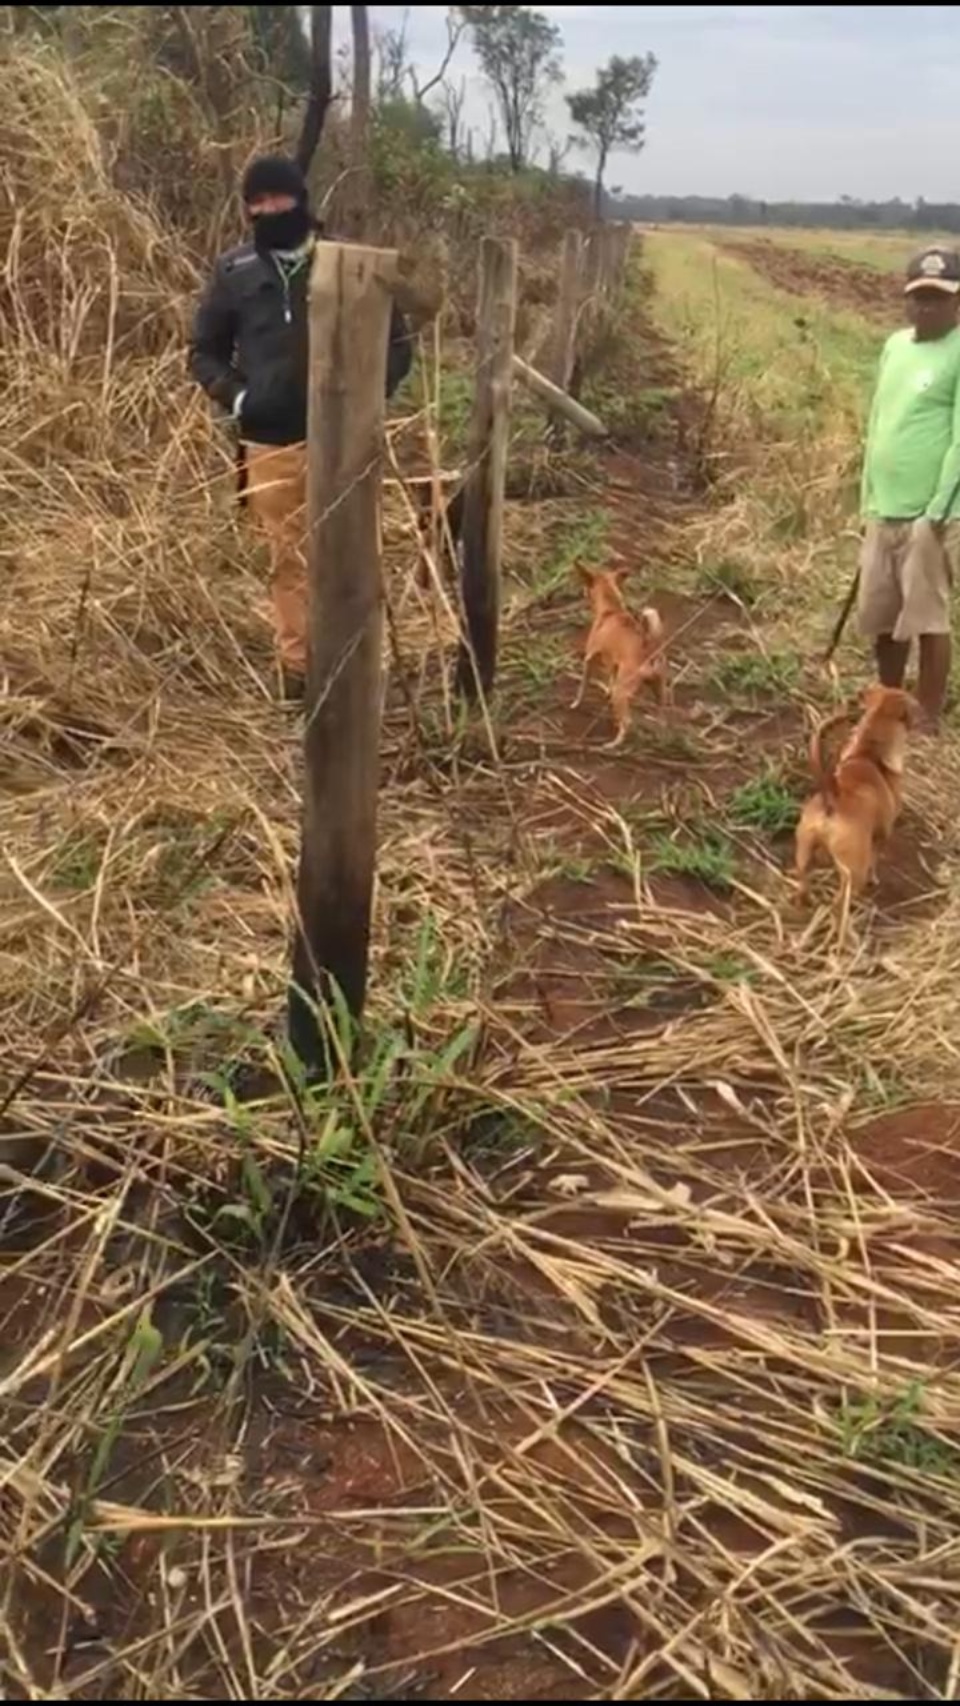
653 628
824 774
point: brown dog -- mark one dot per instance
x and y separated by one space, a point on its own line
856 803
630 648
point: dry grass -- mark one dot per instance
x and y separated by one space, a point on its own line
611 1356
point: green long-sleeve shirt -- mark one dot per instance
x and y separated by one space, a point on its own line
912 462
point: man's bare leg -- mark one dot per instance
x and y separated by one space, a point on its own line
892 656
933 677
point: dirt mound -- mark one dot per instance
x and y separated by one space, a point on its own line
844 284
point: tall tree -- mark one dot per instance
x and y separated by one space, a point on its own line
519 54
359 119
283 44
320 84
392 62
610 115
453 97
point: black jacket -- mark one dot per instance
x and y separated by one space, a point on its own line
250 335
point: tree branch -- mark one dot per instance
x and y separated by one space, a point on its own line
455 29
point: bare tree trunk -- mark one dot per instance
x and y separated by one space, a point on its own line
321 85
358 197
598 187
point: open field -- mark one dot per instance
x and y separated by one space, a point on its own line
888 251
597 1334
847 271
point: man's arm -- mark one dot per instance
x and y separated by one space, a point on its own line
868 508
944 499
213 342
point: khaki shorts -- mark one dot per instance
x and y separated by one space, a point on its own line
905 580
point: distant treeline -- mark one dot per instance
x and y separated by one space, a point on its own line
845 214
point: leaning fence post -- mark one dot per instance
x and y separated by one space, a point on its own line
483 494
350 307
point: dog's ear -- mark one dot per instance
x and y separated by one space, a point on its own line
584 576
619 573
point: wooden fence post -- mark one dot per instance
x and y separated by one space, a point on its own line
488 442
611 247
624 232
613 261
592 268
350 305
568 304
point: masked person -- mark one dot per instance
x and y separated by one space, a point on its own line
249 351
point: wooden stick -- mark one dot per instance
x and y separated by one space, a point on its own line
350 306
568 302
558 401
483 494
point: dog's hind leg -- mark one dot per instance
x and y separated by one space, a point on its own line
620 706
590 657
806 847
584 677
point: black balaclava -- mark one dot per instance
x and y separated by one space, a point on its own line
274 174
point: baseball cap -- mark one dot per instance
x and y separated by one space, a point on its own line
934 269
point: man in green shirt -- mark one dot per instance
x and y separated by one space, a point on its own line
911 484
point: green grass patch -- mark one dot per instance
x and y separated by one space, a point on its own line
706 855
581 542
730 969
757 673
874 1432
675 744
797 359
766 803
76 862
730 578
536 664
631 412
562 862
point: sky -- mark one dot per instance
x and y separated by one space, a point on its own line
778 102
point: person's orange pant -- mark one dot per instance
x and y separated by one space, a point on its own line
277 492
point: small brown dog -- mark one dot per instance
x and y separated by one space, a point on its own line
630 648
857 802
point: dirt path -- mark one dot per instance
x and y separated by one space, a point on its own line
843 284
579 1427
